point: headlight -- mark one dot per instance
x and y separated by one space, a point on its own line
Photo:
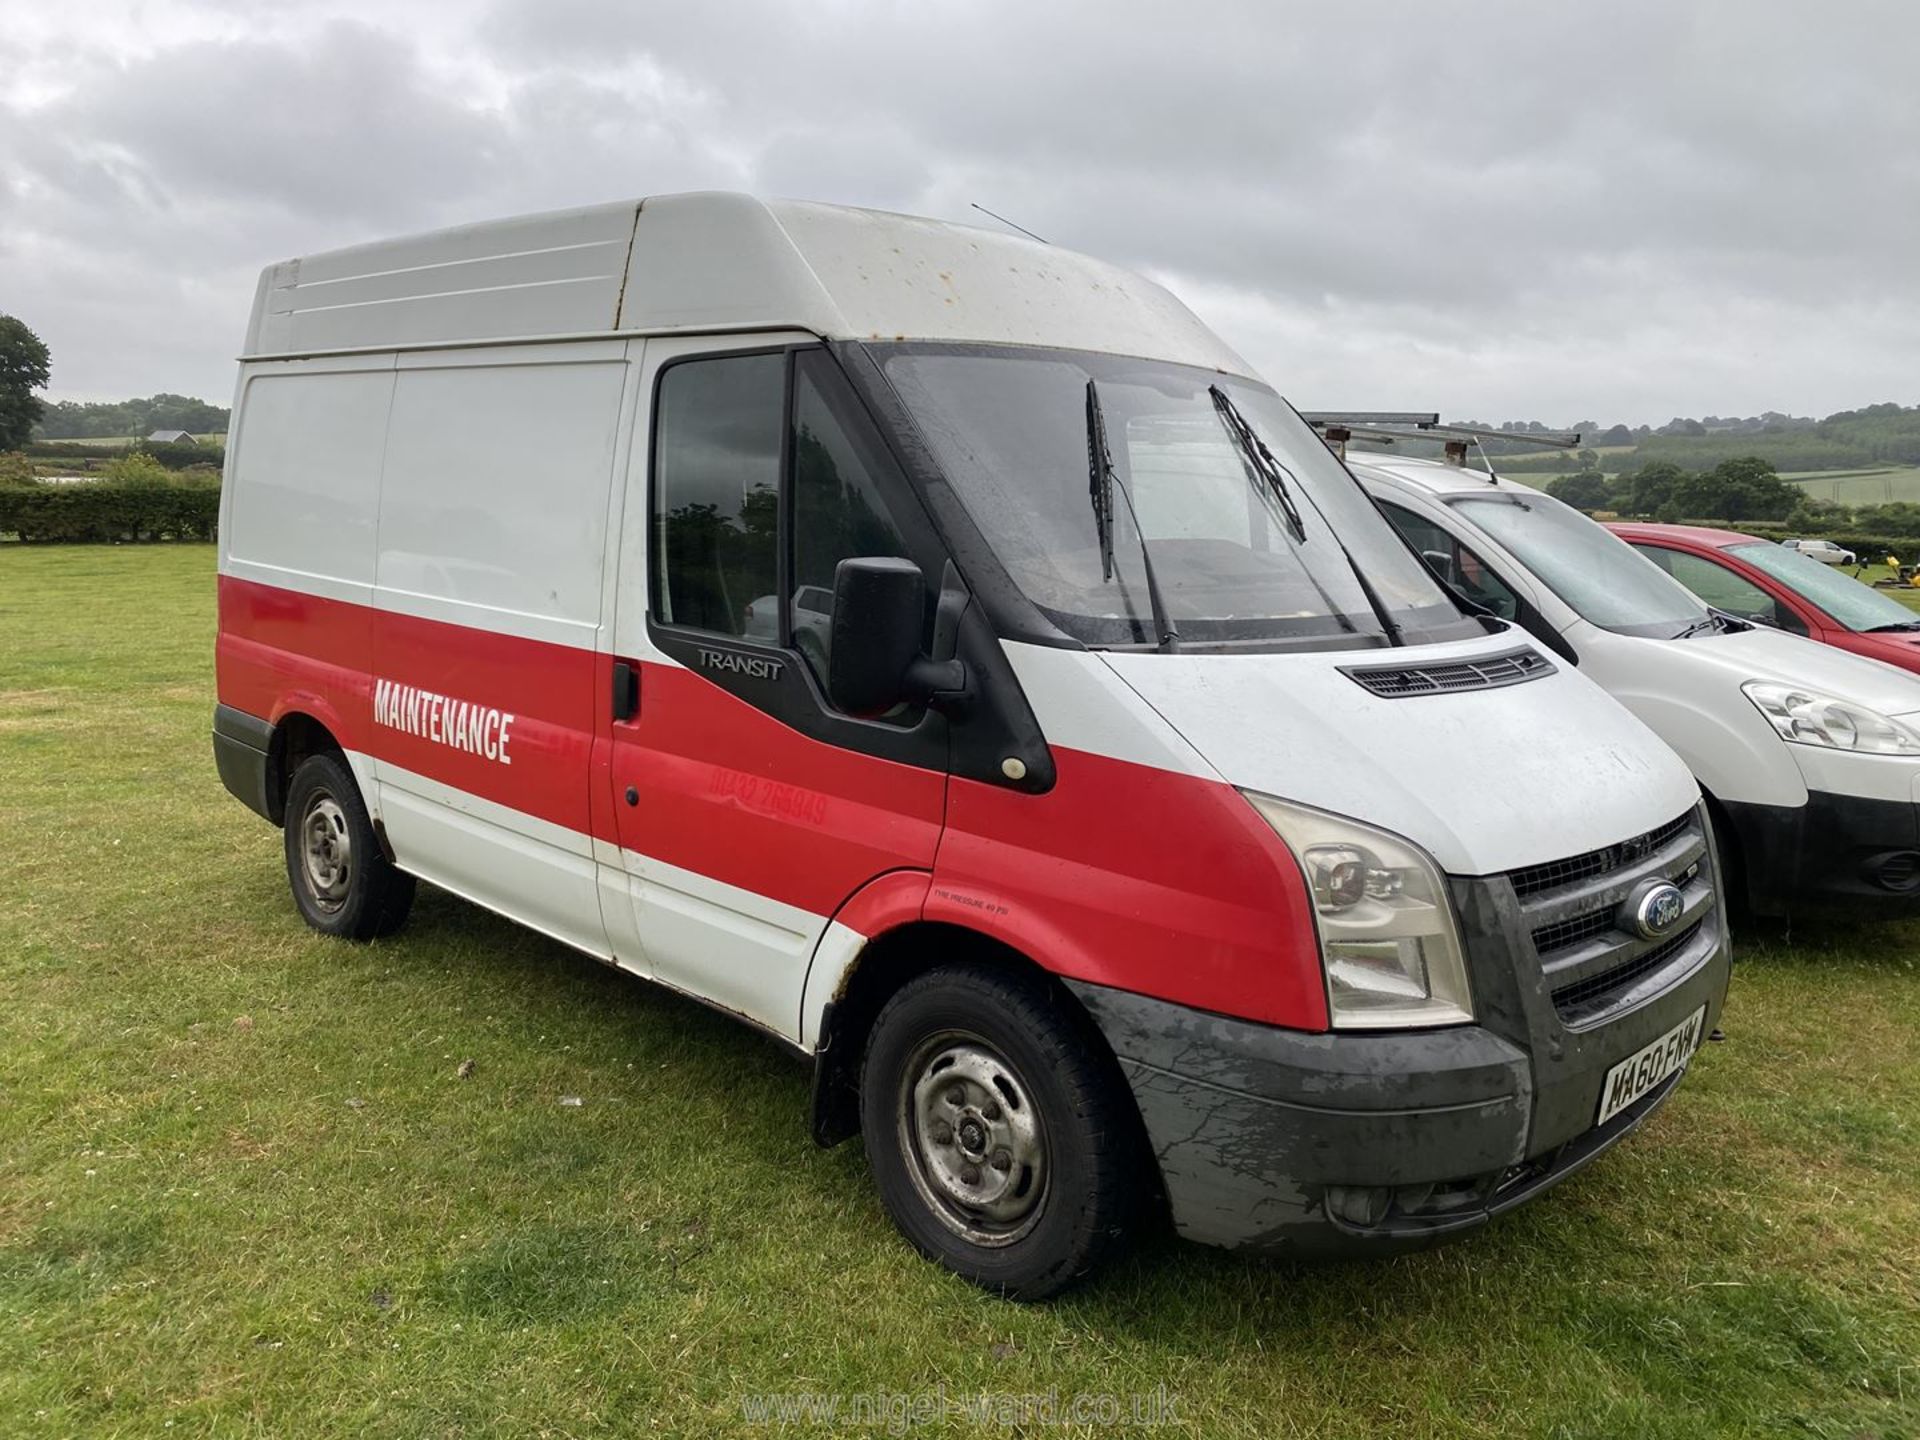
1807 717
1387 938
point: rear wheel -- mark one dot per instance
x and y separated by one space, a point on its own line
341 880
1002 1143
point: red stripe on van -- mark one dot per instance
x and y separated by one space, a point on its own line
1123 874
282 651
729 792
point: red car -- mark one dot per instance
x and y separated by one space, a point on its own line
1767 583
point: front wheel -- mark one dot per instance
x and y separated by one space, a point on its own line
341 880
1003 1144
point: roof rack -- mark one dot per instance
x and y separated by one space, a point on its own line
1388 427
1317 418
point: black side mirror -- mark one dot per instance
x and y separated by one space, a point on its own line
879 613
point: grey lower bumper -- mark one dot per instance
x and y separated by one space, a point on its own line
1272 1139
242 744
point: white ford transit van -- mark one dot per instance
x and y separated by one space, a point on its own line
1809 756
942 652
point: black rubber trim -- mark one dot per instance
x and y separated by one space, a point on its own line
1011 614
241 744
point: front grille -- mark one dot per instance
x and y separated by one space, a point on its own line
1595 863
1568 933
1588 997
1487 673
1571 909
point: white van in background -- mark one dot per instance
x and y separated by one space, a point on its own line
1809 756
940 651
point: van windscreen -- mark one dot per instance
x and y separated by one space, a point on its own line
1605 580
1009 429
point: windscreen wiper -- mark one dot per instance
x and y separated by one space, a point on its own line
1101 483
1260 462
1258 458
1896 625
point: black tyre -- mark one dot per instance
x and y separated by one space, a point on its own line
342 882
1000 1136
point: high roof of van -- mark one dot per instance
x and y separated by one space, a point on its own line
710 262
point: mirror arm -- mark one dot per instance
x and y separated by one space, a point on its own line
938 684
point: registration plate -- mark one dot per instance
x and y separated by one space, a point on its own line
1646 1068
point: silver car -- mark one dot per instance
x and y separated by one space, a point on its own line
1825 551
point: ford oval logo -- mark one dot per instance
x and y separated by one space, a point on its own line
1657 910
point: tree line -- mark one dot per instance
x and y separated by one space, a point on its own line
1746 488
1734 491
77 420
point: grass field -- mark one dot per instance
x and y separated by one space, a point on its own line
1878 486
243 1191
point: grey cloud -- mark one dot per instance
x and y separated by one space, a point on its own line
1657 208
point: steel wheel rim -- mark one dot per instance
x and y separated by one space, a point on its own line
326 852
973 1139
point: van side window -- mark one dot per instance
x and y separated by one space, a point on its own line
1458 565
839 466
717 492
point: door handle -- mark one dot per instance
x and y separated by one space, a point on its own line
626 690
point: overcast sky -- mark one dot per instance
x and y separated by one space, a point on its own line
1601 211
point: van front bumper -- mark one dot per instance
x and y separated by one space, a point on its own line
1835 851
1281 1140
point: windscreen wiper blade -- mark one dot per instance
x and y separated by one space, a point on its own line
1258 458
1100 480
1895 625
1101 483
1260 462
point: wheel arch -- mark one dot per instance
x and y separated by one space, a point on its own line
881 966
296 735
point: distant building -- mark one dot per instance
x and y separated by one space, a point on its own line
171 437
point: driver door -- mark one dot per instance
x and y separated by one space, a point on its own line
747 808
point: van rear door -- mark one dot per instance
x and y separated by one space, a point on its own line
748 809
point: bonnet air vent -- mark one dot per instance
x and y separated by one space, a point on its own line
1488 672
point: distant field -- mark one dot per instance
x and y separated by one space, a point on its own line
1860 487
109 442
1550 454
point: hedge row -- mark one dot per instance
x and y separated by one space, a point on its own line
179 456
107 513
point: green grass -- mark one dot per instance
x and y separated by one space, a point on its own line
1873 574
200 1228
